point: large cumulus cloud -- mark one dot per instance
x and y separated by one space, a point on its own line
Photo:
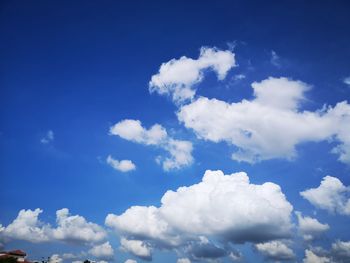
227 208
270 125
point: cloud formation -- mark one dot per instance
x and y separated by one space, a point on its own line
180 152
122 166
103 251
49 137
331 195
275 59
75 228
270 125
310 228
338 253
55 258
183 260
341 251
177 77
347 81
28 227
226 207
311 257
275 250
137 247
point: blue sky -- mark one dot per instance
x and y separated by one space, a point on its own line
92 121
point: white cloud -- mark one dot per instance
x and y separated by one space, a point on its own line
69 256
130 261
347 81
271 125
55 258
275 250
76 228
239 77
122 166
311 257
183 260
275 59
310 228
28 227
144 223
137 248
103 251
331 195
180 152
132 130
49 137
338 253
178 76
235 256
341 251
227 207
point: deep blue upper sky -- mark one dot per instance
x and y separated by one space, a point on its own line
78 67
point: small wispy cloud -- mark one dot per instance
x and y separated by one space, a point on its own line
122 166
347 80
239 77
49 137
275 59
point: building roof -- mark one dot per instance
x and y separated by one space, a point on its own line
17 252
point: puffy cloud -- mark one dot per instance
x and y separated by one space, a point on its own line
123 165
28 227
180 152
151 227
311 257
183 260
55 258
76 228
132 130
137 248
103 251
338 253
226 207
49 137
130 261
341 251
275 250
331 195
310 228
222 207
270 125
178 76
235 256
